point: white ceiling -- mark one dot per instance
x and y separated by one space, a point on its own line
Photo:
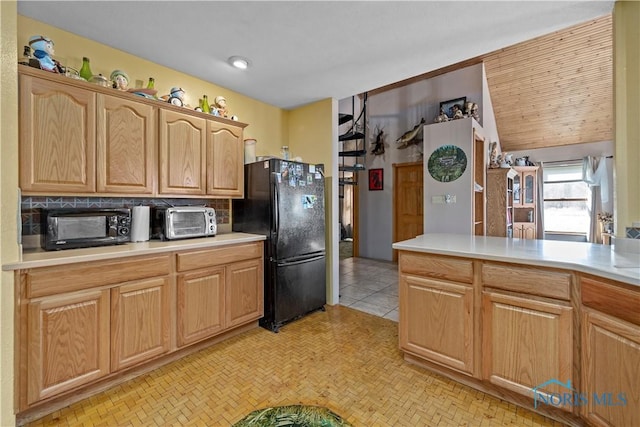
303 51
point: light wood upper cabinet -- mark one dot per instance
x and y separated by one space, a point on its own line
225 160
526 343
57 137
201 296
244 292
67 341
182 153
78 138
126 139
140 322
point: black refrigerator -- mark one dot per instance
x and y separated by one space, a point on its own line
284 201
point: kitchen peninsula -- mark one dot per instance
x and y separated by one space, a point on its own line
548 325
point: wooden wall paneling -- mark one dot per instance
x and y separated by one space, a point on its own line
556 89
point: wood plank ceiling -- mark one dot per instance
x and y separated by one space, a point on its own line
556 89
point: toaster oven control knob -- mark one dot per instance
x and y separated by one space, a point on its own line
210 213
124 231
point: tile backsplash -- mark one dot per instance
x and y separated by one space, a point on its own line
632 232
30 207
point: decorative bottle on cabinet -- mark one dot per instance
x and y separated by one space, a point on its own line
85 70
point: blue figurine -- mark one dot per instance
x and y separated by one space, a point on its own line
176 96
43 49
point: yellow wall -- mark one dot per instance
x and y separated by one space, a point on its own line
9 250
310 132
626 51
267 124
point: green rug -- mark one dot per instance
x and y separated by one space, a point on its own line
292 416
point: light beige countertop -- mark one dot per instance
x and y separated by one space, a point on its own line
41 258
599 260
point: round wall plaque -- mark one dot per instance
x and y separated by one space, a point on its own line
447 163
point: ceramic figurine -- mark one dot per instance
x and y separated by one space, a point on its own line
442 117
120 79
457 112
176 96
42 50
220 106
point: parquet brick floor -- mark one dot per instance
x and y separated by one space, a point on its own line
343 359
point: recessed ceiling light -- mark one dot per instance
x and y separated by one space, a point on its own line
239 62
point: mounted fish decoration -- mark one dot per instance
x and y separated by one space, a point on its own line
410 137
378 145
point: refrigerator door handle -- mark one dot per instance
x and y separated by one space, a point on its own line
276 209
300 261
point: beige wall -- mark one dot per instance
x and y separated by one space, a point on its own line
267 124
9 250
626 57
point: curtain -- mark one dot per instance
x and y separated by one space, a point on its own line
540 202
598 173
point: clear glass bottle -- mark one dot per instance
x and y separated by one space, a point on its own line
285 152
85 71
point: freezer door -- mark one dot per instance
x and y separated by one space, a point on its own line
298 214
297 288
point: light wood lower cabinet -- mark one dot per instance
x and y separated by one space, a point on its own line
67 342
140 324
244 296
611 370
437 309
526 343
200 305
436 321
79 323
218 289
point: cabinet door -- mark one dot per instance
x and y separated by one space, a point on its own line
182 153
225 160
200 305
611 370
68 342
436 321
529 231
529 188
57 137
244 292
526 343
126 138
140 322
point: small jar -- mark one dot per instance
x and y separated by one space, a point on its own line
285 152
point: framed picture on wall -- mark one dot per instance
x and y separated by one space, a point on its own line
447 106
376 177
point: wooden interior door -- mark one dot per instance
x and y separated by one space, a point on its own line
408 202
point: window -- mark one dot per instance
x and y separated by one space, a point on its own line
566 199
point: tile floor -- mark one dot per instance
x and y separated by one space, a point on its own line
370 285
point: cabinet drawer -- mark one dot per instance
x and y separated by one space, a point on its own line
72 277
535 281
610 299
218 256
457 270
